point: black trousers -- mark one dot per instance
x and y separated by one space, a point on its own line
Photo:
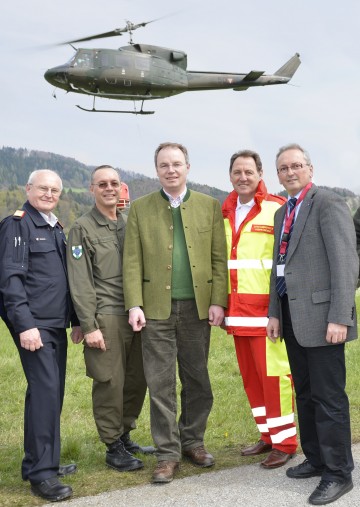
45 371
319 376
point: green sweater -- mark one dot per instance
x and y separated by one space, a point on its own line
181 279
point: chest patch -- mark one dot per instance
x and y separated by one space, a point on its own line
267 229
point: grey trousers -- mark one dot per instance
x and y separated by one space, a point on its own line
119 385
185 339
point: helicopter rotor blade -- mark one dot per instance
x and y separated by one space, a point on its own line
132 26
113 33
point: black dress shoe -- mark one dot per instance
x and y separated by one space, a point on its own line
329 491
67 469
119 458
133 447
51 489
303 471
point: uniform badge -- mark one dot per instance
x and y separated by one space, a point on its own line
77 251
19 214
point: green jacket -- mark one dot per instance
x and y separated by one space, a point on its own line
94 257
148 253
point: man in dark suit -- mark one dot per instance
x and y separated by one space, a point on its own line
38 308
312 307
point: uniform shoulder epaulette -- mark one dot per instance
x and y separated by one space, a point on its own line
61 225
19 214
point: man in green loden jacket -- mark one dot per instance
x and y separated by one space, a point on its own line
175 287
112 350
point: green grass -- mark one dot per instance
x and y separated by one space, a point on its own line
230 425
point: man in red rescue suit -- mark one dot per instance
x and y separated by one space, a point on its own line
249 218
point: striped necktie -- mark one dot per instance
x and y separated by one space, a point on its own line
280 280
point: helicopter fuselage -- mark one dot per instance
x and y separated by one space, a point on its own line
144 72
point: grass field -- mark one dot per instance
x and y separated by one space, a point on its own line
230 425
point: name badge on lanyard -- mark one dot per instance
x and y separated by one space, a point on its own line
280 269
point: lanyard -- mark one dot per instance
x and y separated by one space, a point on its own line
289 220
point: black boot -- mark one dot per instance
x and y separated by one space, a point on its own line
133 447
119 458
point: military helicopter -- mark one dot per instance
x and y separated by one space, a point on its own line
141 72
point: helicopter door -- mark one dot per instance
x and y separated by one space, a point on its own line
142 68
106 64
123 68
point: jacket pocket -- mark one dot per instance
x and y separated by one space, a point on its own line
106 261
204 228
321 296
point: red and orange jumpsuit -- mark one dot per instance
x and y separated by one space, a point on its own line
263 365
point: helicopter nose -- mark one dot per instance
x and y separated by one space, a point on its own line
57 76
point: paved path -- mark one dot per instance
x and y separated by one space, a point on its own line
248 485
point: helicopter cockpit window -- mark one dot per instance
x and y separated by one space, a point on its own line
71 61
83 60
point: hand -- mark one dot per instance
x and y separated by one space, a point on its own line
336 333
137 319
273 329
31 339
95 340
216 315
76 335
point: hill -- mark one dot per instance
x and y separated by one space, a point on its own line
17 164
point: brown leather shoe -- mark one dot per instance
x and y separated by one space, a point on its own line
260 448
276 459
199 456
164 471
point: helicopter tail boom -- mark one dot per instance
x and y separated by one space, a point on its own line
238 82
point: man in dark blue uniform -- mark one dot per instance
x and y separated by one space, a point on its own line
37 304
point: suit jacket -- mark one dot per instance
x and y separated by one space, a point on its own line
321 268
148 253
357 230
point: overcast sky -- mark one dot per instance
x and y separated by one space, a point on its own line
319 109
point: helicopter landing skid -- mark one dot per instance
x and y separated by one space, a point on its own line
94 110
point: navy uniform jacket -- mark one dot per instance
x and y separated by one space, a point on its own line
33 275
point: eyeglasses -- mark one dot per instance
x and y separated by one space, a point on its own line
294 167
45 190
104 184
176 165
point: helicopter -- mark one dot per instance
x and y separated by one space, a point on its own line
141 72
